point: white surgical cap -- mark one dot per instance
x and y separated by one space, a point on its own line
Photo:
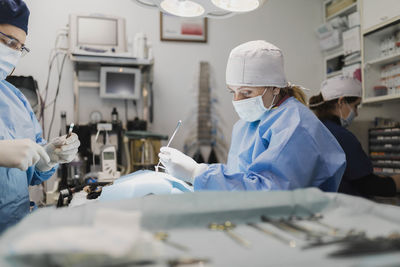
339 86
256 63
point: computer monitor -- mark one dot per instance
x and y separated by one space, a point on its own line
96 34
122 83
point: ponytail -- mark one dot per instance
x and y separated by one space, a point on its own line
325 109
295 91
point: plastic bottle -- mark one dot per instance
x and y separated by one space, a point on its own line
140 43
149 51
114 115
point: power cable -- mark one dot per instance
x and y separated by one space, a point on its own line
55 98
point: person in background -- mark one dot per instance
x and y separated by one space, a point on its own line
278 143
24 158
336 106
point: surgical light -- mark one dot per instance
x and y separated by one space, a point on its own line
182 8
237 5
203 8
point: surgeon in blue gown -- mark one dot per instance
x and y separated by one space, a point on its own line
24 158
277 144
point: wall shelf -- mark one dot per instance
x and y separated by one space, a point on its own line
382 98
110 60
384 60
334 59
94 63
373 62
333 74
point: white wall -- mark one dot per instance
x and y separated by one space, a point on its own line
289 24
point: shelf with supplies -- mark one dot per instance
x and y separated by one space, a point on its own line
384 60
339 37
332 9
333 74
115 60
106 69
338 64
334 64
381 63
376 99
384 150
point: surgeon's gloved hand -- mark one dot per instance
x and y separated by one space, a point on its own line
179 165
21 153
60 150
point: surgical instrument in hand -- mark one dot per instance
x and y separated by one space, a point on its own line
71 127
170 140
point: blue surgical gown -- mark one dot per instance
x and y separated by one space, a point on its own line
17 121
288 148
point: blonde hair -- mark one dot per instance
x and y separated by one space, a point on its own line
296 91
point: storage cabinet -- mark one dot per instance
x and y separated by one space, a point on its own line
384 150
381 63
340 58
375 12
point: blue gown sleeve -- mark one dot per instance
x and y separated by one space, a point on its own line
293 159
38 177
34 176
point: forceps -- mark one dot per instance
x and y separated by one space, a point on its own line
291 243
227 228
169 141
162 236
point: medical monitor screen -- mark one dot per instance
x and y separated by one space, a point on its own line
120 84
97 31
108 155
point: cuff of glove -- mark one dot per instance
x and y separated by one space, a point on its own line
43 166
199 170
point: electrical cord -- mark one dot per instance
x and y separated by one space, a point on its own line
55 98
136 108
44 99
126 112
53 56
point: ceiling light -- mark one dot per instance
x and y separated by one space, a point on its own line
203 8
182 8
146 3
237 5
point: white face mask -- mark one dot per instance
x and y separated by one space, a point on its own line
252 109
347 121
8 60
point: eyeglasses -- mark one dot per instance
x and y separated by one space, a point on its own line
13 43
244 91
